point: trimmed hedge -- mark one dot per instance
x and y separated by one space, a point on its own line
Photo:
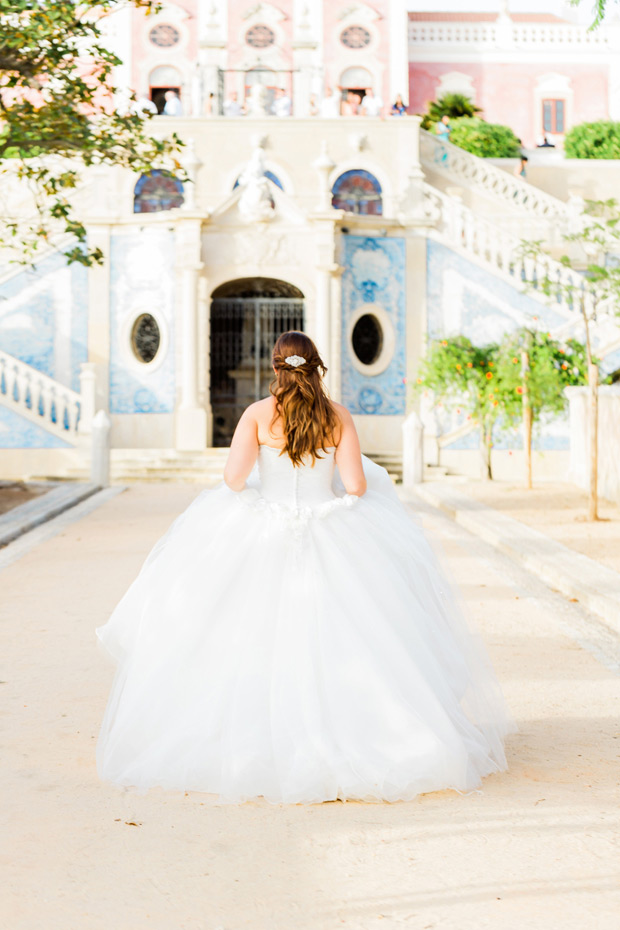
488 140
593 140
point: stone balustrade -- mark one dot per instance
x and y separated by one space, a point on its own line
478 173
524 35
41 399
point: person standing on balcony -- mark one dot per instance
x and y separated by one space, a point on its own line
330 105
282 104
232 106
371 105
351 106
173 106
398 107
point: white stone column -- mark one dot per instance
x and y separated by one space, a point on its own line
88 396
191 419
322 327
335 372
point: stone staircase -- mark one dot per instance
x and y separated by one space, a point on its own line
133 465
391 461
518 206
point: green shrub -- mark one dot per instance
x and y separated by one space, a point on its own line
593 140
488 140
454 105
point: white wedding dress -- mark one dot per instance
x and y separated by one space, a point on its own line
294 642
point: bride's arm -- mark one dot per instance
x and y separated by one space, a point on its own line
243 451
349 455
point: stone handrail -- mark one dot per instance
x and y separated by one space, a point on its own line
549 35
39 398
502 253
478 173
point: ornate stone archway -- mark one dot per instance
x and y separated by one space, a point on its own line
247 316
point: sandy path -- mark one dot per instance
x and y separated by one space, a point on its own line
537 849
558 509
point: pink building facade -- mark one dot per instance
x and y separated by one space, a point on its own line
534 72
210 51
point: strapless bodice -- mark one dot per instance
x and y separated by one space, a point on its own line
304 485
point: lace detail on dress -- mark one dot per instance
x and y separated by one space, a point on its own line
294 517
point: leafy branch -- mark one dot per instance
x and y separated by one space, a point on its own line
58 117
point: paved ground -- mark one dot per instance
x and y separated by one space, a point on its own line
558 509
536 850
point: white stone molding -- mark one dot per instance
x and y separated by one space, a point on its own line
456 82
174 57
388 346
557 87
130 361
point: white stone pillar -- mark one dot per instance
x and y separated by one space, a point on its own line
324 166
191 419
335 368
100 450
413 450
88 396
323 313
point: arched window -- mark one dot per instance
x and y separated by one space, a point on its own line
158 190
268 174
358 191
356 77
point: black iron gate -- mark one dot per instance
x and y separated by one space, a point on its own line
243 332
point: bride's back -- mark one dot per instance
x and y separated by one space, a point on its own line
304 485
299 420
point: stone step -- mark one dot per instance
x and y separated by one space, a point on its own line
22 519
391 461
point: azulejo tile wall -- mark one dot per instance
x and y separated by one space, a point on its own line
44 318
142 280
374 276
17 432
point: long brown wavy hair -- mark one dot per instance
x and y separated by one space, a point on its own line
309 420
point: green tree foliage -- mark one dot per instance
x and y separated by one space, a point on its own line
452 105
487 140
599 8
553 366
600 139
464 376
57 116
596 253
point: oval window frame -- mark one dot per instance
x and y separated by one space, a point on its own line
131 360
388 347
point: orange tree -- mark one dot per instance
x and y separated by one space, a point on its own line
534 370
466 376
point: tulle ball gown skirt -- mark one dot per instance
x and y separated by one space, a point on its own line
300 649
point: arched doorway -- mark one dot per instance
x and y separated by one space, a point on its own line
247 316
162 79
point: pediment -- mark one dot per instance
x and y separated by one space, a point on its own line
285 211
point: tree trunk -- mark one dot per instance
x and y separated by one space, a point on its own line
527 420
486 438
593 433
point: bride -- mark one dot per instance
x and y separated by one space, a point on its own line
292 636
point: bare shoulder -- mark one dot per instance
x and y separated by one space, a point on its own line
260 409
343 414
